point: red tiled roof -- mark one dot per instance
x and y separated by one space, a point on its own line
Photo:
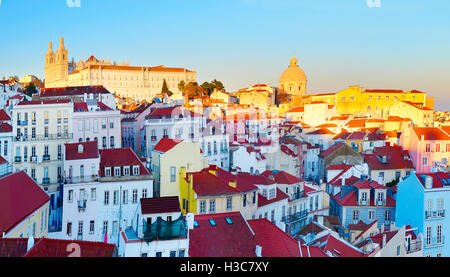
282 177
244 177
120 157
67 91
332 149
356 123
350 199
5 128
4 116
296 110
348 181
337 247
156 205
383 91
172 111
274 242
44 102
395 158
378 238
223 239
90 150
321 131
263 201
431 133
80 107
61 248
446 129
13 247
20 196
367 228
166 144
312 252
438 179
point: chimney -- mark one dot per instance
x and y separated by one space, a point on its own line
30 243
190 220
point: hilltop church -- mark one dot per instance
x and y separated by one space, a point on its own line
139 83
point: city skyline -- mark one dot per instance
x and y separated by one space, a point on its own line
399 45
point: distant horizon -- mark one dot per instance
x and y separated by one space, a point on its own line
400 45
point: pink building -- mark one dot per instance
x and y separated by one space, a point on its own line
429 148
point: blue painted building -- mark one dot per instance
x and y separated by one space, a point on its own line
422 202
365 200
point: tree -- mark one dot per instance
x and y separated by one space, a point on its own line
181 86
218 85
208 87
165 89
194 90
30 89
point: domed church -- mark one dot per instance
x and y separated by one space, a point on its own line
292 84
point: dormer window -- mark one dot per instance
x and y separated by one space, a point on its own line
363 198
126 171
108 171
272 193
136 170
117 171
80 148
380 198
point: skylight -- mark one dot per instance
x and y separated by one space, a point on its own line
228 220
195 223
212 222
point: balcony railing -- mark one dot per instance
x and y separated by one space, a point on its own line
17 159
81 179
46 180
82 205
22 122
297 195
295 217
434 214
44 137
414 246
46 158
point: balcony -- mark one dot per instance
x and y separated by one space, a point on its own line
82 205
297 195
22 122
44 137
435 242
414 247
33 159
60 157
46 158
46 180
17 159
153 138
164 230
81 179
295 217
429 215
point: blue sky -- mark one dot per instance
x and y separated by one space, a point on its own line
404 44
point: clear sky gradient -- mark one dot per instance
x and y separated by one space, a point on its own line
404 44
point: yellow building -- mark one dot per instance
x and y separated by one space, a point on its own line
24 207
214 190
292 85
168 157
260 96
418 113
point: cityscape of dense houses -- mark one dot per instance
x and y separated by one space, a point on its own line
111 160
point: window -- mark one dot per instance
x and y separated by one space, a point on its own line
229 203
398 250
135 196
428 235
91 227
439 234
116 197
173 254
425 161
70 196
172 173
111 124
244 200
364 198
104 142
105 227
371 214
202 207
158 254
126 170
212 206
116 171
115 228
181 253
125 197
69 228
80 228
93 194
428 148
136 170
387 215
108 171
355 215
254 197
144 193
106 200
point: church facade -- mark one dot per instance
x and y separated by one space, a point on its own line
139 83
